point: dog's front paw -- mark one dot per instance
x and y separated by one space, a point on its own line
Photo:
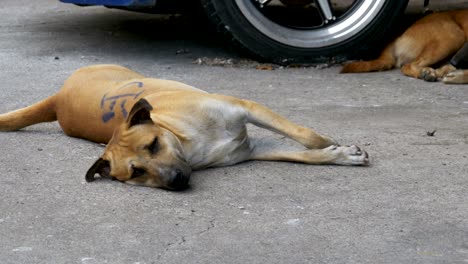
456 77
349 155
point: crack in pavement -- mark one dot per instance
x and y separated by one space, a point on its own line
183 239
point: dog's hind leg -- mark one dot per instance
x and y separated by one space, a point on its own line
433 53
262 116
263 149
420 67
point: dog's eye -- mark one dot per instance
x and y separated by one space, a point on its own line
154 146
137 172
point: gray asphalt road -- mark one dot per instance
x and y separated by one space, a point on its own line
409 206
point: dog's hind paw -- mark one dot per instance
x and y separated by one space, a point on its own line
428 74
349 155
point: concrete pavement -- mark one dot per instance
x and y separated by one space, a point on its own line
409 206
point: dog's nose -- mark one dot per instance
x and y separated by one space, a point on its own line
180 181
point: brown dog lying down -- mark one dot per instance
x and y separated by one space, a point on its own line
158 131
427 42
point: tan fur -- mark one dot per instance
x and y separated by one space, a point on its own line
427 42
158 131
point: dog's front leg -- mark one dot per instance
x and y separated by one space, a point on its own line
262 116
458 77
265 149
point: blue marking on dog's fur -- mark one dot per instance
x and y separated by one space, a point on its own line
107 116
122 107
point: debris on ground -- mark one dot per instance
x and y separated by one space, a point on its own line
182 51
431 133
215 61
265 67
247 63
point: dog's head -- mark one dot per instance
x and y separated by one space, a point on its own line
143 153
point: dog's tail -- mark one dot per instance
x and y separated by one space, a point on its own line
43 111
385 61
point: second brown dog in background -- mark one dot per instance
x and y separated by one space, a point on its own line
426 43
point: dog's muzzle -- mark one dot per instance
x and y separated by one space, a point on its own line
180 181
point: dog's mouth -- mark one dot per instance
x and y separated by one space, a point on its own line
176 185
179 188
179 182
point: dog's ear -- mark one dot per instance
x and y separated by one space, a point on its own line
101 166
140 113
